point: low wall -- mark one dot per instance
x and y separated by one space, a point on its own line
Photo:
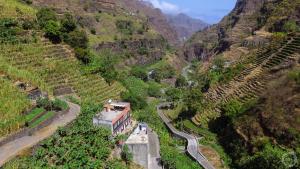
29 131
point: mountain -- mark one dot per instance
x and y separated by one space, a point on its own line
157 19
242 22
249 77
185 26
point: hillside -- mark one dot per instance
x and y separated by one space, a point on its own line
246 18
248 77
85 53
157 20
185 26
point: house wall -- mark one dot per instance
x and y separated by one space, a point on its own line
140 153
103 123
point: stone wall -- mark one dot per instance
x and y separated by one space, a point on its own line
29 131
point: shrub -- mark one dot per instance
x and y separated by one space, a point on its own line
93 31
295 75
180 82
28 24
82 55
29 2
44 15
136 101
8 30
60 105
49 105
125 26
139 72
290 26
143 51
126 155
52 31
77 39
44 103
173 94
68 23
154 89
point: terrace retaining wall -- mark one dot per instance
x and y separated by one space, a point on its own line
29 131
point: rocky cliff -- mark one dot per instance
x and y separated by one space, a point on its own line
185 26
246 18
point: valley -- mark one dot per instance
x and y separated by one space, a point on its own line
119 84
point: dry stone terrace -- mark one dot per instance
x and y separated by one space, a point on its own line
252 80
57 65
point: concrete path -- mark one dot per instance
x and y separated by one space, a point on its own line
192 147
154 148
13 148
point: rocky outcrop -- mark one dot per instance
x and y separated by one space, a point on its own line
239 24
185 26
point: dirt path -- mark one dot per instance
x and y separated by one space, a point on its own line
13 148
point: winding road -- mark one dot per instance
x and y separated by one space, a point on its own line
192 147
13 148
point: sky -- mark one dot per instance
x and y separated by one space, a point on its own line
210 11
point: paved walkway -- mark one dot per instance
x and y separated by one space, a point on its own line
13 148
192 147
154 148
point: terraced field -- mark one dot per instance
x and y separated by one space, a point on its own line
60 70
252 80
12 103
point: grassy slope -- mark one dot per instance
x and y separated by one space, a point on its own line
31 63
12 103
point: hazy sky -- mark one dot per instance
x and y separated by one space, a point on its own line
210 11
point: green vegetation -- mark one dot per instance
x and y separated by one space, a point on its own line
139 72
125 26
295 75
170 155
46 116
33 114
49 105
81 145
209 139
12 104
137 92
219 73
126 155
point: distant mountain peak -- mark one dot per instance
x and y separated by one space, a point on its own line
185 25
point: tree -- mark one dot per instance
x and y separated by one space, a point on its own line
193 102
180 81
290 26
44 15
126 155
68 23
77 39
139 72
83 55
173 94
52 31
136 100
154 89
